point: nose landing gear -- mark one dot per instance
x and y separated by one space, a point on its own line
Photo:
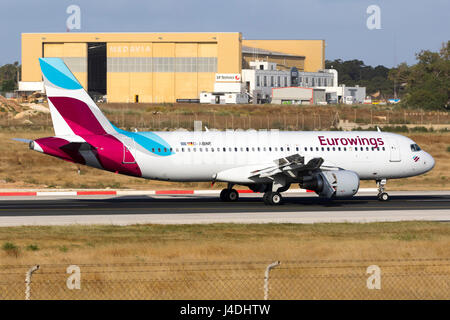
382 196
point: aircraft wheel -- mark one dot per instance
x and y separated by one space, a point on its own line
224 195
266 198
276 198
233 195
383 196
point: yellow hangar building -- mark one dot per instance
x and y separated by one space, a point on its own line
159 67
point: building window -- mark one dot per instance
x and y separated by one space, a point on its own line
265 81
271 81
285 82
278 82
257 81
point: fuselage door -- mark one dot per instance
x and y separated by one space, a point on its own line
129 150
394 150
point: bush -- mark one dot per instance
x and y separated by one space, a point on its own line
11 249
32 247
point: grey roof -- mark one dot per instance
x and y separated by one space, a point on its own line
251 50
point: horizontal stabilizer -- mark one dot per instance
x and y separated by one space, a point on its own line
22 140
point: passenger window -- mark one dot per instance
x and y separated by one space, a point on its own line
159 149
334 149
153 149
323 149
247 149
182 149
367 148
311 148
296 148
328 148
288 149
224 149
339 148
306 149
270 148
235 149
317 148
281 148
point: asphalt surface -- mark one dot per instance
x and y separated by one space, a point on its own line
297 208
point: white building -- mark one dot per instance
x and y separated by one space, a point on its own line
264 76
258 83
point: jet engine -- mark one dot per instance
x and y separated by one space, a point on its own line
341 183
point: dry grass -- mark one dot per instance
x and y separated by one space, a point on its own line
227 261
225 242
22 168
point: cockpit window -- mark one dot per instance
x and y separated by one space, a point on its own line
415 148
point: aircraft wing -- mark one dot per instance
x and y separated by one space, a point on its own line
292 166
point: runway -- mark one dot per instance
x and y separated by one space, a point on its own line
193 209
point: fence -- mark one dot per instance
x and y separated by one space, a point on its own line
363 279
148 118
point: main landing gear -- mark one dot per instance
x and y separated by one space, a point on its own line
382 196
272 198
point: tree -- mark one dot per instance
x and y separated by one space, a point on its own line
8 76
428 81
355 72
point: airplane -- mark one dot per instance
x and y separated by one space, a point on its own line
330 163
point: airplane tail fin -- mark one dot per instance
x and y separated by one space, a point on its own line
72 109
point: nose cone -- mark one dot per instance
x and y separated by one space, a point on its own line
428 162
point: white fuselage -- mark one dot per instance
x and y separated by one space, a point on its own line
200 156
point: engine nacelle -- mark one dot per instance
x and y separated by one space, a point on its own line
341 183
